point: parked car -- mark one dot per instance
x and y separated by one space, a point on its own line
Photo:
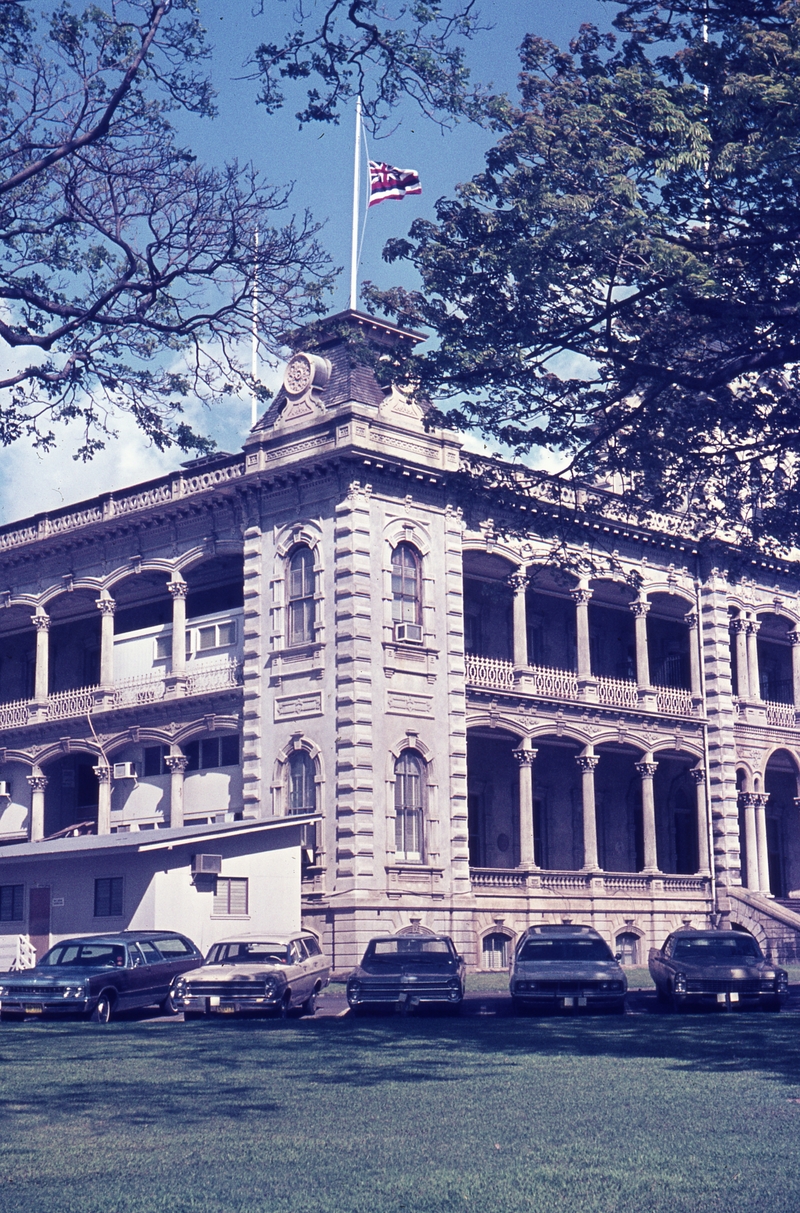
255 974
726 968
99 975
562 966
408 970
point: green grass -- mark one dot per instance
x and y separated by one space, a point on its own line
645 1114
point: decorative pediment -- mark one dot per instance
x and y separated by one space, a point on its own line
304 379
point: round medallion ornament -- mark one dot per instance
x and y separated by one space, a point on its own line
299 374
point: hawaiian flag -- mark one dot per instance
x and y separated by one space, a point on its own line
387 182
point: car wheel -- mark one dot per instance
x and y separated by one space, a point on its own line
103 1008
773 1004
10 1017
309 1007
518 1006
286 1006
676 1006
168 1007
193 1015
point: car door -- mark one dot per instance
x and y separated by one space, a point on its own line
136 982
299 976
158 971
317 962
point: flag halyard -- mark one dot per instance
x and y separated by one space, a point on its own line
386 182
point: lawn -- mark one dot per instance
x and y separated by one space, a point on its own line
645 1114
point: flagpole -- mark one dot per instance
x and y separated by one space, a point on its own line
254 349
356 203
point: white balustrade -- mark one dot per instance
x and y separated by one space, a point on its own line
614 883
78 702
617 693
490 672
780 714
217 677
146 688
553 683
674 701
13 714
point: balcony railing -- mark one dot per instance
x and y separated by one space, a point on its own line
490 672
617 693
130 692
674 701
576 882
780 714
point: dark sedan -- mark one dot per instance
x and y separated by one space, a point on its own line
566 967
724 968
407 971
99 975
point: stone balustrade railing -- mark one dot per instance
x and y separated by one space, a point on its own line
490 672
566 882
129 692
617 693
782 715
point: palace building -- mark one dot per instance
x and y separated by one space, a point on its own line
475 724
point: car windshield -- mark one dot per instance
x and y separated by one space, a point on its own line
410 951
85 955
719 949
247 952
565 949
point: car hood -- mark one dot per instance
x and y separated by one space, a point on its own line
382 970
236 972
740 972
66 975
566 970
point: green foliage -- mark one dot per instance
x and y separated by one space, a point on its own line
621 284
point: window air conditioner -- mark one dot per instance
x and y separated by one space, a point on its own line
410 632
206 865
5 788
124 770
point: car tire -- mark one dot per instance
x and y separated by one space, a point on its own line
103 1008
675 1004
187 1015
10 1017
518 1006
772 1004
285 1009
309 1007
168 1007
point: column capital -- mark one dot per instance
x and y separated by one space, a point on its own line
581 595
519 581
738 625
760 799
698 774
37 783
41 622
103 772
175 762
106 606
753 627
691 619
793 637
178 589
587 762
639 608
646 769
525 757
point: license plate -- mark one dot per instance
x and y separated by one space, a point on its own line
226 1010
568 1002
214 1000
32 1010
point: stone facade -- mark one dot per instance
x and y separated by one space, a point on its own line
495 724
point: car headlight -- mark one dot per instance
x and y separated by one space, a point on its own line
782 982
74 992
271 987
679 983
179 987
614 987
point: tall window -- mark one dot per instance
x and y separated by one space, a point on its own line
302 785
406 584
301 606
409 775
496 948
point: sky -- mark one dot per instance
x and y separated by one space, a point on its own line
318 162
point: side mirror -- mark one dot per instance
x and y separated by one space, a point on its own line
460 959
618 956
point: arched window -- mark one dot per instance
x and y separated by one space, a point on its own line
301 605
302 784
409 788
407 586
628 947
496 948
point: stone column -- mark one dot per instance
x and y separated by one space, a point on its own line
647 770
794 640
640 610
752 659
739 630
698 774
692 622
761 799
103 773
37 783
178 590
581 598
106 607
42 680
587 763
525 756
176 764
748 802
519 583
